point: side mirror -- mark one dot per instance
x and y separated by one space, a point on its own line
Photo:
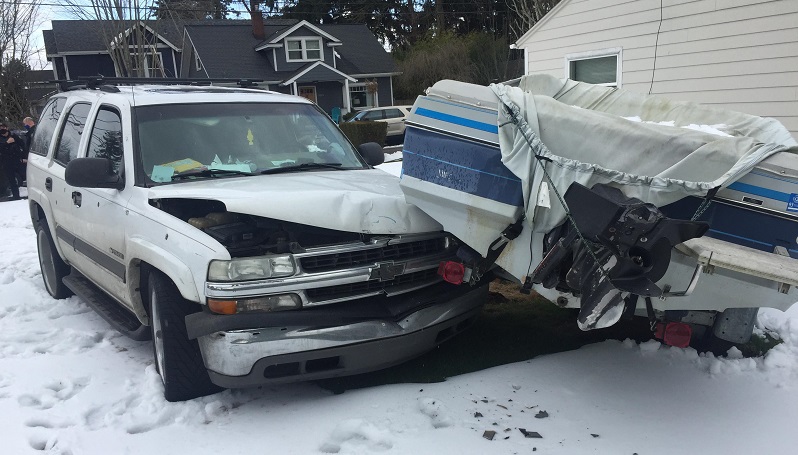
372 152
93 173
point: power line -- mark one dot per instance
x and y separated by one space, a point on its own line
392 10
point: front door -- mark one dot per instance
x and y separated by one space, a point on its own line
308 92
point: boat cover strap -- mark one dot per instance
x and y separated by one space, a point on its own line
511 232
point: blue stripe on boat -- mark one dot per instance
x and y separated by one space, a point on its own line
743 226
759 191
455 120
740 237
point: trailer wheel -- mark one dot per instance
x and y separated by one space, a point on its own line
178 359
703 340
54 269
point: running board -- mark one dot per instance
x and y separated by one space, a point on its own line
110 310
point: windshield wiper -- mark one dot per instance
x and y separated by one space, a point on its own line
301 167
208 173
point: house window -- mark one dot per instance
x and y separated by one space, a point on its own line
362 97
303 49
153 68
601 67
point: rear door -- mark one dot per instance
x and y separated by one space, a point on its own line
40 182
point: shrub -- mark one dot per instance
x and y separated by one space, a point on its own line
362 132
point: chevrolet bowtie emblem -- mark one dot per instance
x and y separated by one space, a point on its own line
386 271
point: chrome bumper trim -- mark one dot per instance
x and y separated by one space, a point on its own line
234 353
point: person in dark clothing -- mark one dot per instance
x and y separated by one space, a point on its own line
12 149
30 128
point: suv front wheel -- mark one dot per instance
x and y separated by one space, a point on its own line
178 359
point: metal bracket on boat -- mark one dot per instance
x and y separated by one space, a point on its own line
784 288
666 290
509 234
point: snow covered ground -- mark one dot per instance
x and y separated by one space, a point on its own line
69 384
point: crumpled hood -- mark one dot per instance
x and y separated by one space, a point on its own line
367 201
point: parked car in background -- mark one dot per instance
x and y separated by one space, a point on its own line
394 116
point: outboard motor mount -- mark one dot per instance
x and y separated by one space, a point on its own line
624 249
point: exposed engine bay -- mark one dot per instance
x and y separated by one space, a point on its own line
247 235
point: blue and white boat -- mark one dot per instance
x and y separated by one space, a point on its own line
622 203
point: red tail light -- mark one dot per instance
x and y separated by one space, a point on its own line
676 334
452 272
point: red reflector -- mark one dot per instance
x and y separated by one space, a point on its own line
452 272
676 334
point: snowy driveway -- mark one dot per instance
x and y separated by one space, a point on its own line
69 384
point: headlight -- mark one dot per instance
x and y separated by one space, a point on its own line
246 269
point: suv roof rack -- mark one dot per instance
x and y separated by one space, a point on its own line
109 84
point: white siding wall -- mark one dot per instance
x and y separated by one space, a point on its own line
737 54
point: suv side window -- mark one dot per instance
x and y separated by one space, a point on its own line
46 127
106 137
69 140
393 113
374 115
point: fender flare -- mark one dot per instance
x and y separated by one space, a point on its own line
140 250
39 202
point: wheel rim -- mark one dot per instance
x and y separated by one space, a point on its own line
157 335
47 262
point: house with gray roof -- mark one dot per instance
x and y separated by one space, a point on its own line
337 66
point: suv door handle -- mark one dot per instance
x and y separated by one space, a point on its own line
77 198
48 184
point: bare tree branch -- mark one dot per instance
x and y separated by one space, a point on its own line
527 13
19 20
122 25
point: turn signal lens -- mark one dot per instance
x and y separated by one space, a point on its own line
452 272
222 306
256 305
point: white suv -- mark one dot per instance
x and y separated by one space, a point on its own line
394 116
241 231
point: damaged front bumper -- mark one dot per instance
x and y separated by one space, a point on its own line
353 337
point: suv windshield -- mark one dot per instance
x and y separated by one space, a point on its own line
237 139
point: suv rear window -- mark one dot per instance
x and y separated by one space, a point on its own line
46 126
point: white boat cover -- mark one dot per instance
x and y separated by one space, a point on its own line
584 135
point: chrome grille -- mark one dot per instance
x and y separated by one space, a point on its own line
393 252
421 278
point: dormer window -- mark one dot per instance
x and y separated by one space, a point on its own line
303 49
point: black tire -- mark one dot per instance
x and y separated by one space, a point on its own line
704 340
54 269
177 359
